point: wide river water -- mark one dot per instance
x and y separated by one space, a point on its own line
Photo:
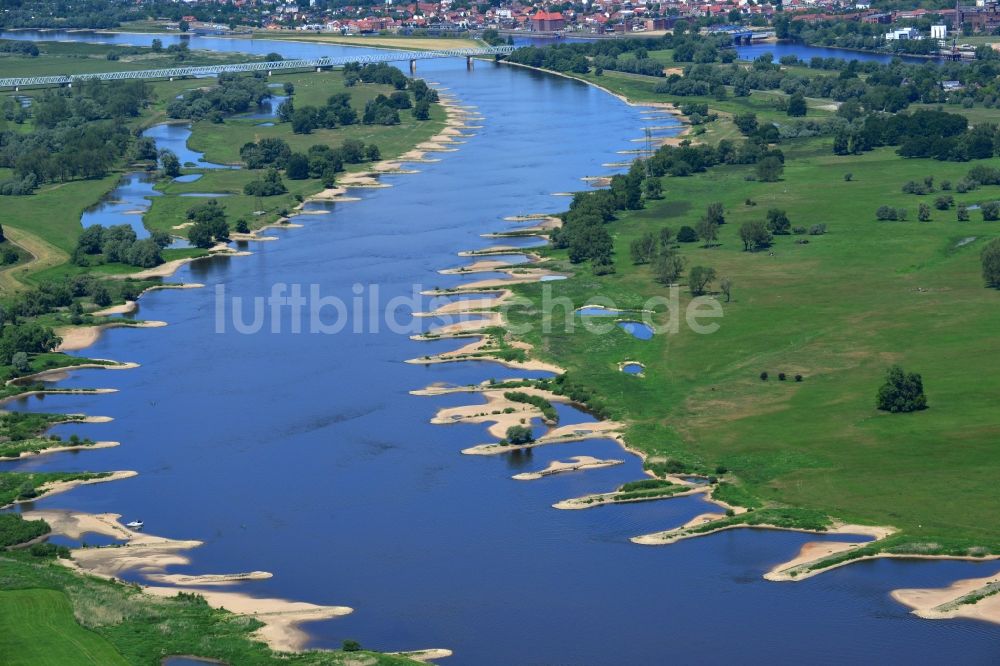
305 455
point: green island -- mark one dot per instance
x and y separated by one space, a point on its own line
839 241
65 151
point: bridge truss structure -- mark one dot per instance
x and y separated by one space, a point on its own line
269 67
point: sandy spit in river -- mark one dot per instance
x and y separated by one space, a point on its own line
574 464
944 603
75 338
148 553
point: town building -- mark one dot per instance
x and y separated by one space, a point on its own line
543 21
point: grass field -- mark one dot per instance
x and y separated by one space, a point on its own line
46 224
221 143
79 58
37 628
41 601
838 310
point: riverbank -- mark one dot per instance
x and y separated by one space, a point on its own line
152 556
725 413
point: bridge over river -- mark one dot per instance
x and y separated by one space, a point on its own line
260 66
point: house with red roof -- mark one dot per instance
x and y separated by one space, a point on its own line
543 21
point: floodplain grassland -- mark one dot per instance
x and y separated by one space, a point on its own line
838 310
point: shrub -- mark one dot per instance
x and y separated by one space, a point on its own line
944 202
763 376
781 376
848 177
687 235
798 378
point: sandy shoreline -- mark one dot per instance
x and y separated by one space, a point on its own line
46 490
151 555
574 464
75 338
59 449
973 598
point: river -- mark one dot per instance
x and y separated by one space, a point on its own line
305 455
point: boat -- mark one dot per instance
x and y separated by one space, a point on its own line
134 525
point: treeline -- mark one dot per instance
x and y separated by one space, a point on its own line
382 110
923 133
889 87
856 35
320 161
119 244
583 231
375 73
626 55
76 14
19 47
233 94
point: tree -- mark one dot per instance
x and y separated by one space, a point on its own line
990 257
422 110
652 188
990 211
297 167
797 105
715 213
754 235
687 235
726 287
170 164
770 169
901 392
271 185
144 253
746 122
699 277
666 238
886 213
962 213
924 213
20 362
200 236
183 26
643 249
667 267
518 434
708 231
777 222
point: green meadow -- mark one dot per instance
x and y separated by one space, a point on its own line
838 310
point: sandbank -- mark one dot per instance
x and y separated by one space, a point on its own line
59 449
974 598
75 338
576 463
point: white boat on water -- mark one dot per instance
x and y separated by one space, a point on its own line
134 525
